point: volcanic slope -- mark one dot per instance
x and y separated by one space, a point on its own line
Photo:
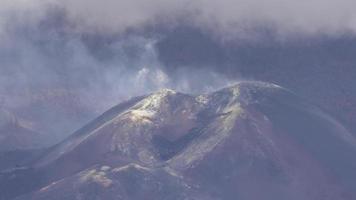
253 140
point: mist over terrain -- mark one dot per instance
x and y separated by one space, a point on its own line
65 62
177 100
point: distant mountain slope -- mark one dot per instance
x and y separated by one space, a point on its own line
16 134
253 140
56 112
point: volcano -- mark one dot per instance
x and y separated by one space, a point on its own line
253 140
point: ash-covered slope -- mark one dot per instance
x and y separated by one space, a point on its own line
252 140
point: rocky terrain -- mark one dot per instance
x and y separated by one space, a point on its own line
252 140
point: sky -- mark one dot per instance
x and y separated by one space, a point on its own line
94 54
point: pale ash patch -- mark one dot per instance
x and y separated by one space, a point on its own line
203 99
47 187
173 172
105 168
50 186
147 109
131 166
155 100
97 176
143 116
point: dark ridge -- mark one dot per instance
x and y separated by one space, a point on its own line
314 133
97 122
107 116
167 149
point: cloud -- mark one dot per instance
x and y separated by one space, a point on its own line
286 16
309 16
54 43
231 17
